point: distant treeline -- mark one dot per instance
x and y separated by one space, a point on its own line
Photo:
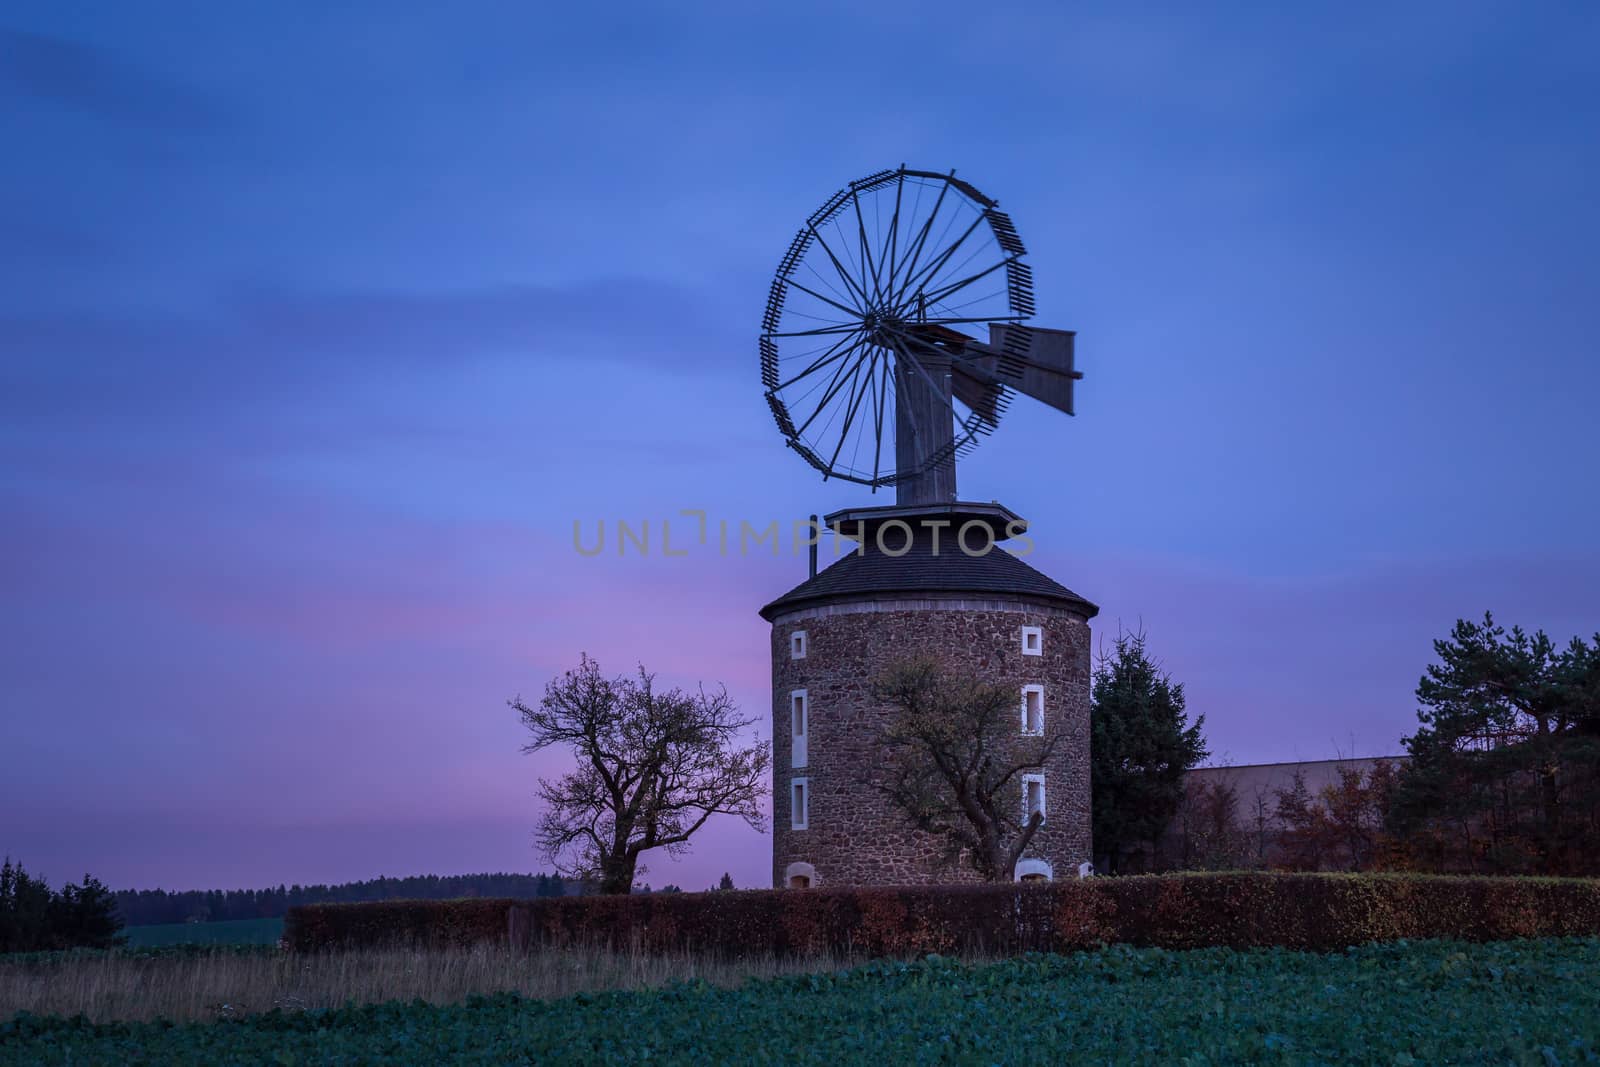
141 907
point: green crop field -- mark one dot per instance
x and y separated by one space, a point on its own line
233 932
1535 1002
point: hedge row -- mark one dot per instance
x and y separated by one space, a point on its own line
1301 911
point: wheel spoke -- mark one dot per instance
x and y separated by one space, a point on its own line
870 392
838 266
979 318
833 389
866 251
942 276
927 273
850 411
856 262
878 402
951 309
894 225
922 238
939 294
807 315
813 333
855 312
826 284
817 364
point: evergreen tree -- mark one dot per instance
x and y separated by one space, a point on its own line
24 910
1141 745
1505 768
727 881
32 917
85 916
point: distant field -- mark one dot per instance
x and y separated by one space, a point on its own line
1534 1002
233 932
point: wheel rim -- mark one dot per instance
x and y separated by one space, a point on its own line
864 297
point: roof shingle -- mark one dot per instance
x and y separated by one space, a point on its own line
921 570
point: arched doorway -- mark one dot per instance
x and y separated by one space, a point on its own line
1033 871
800 876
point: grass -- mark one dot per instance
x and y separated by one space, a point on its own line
230 932
198 984
1532 1002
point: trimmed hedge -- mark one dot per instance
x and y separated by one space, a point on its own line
1299 911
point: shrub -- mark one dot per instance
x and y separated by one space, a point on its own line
429 923
1239 910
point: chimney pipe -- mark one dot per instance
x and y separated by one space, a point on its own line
816 535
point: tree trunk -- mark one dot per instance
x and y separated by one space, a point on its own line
617 872
617 880
1550 797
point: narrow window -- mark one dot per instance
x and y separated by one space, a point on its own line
1032 796
797 727
797 645
799 881
1033 709
1033 640
799 804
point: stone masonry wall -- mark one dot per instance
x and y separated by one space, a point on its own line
855 834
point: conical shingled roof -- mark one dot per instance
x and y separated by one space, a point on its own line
921 571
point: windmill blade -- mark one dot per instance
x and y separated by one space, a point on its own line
986 395
1034 361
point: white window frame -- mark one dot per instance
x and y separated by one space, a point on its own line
800 816
797 645
1037 633
1026 726
1033 779
799 753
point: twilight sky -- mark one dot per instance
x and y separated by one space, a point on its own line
320 326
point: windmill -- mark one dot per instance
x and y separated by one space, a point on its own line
900 310
895 335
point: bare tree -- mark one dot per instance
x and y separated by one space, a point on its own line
1210 837
1262 814
652 768
954 757
1304 835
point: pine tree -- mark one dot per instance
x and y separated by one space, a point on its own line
1141 745
85 916
1505 767
24 910
32 917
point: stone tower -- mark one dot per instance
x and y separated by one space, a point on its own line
929 580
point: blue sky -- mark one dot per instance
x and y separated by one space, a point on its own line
320 326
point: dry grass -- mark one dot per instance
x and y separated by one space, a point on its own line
224 985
